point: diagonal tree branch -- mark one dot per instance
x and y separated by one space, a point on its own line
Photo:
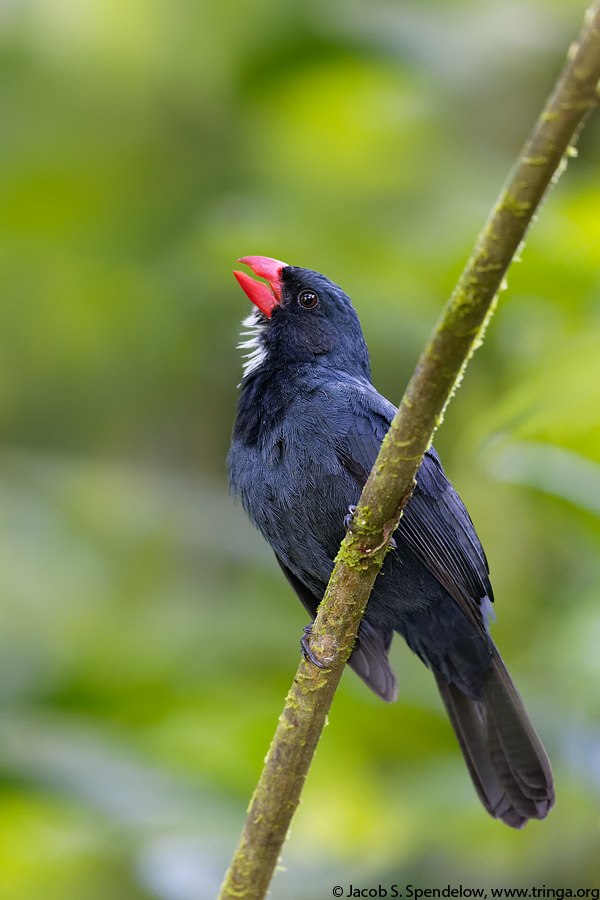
439 370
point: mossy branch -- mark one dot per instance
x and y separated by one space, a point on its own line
439 370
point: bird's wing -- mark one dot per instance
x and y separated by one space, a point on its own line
435 525
438 529
369 658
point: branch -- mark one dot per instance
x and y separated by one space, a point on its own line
389 486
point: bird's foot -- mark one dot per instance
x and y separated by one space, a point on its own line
306 651
348 518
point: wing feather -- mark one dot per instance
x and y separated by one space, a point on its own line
435 524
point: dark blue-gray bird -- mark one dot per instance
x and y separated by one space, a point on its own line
308 428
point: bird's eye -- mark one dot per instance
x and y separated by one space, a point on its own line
308 299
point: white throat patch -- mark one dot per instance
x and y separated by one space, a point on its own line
255 324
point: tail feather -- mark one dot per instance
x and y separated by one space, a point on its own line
505 757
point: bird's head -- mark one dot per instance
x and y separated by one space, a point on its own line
300 317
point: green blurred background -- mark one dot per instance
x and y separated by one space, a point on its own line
147 638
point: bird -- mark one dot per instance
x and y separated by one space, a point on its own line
309 424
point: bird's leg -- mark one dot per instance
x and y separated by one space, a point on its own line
306 651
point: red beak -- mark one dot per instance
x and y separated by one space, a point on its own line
266 298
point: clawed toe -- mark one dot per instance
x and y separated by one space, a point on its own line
348 517
306 651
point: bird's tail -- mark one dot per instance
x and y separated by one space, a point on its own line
505 757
